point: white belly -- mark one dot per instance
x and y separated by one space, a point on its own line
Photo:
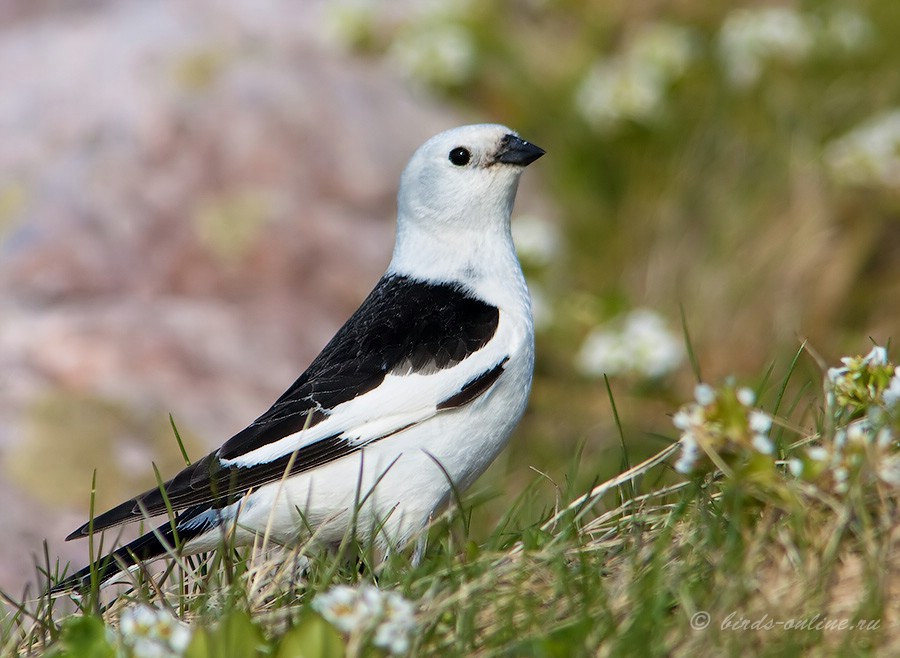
391 488
395 485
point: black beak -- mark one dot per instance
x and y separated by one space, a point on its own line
516 151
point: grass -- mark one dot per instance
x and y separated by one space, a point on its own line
741 556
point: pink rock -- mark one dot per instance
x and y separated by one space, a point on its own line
200 195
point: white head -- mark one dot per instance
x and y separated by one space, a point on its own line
459 187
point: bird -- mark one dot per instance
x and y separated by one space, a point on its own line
409 402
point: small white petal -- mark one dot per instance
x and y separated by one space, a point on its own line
127 624
749 38
180 638
746 396
690 452
889 470
892 394
858 432
877 356
795 466
704 394
760 422
840 438
602 353
689 442
684 466
147 648
682 419
763 444
836 373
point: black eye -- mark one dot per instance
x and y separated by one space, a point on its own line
460 156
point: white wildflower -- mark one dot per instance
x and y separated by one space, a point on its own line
614 92
841 474
663 48
704 394
632 85
891 394
763 444
835 374
876 356
642 346
818 453
689 417
795 466
346 608
536 239
690 451
602 353
840 438
885 438
858 432
760 422
889 469
442 53
746 396
147 632
657 350
749 38
682 419
847 30
868 154
397 625
366 609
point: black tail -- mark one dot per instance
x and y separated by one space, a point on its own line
146 547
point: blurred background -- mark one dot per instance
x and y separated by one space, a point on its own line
195 195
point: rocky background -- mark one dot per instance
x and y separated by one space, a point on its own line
193 197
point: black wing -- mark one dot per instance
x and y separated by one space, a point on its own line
403 326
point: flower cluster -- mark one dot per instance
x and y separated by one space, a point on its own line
845 30
863 404
869 154
859 448
358 611
859 455
865 385
631 86
641 345
439 54
429 43
147 632
751 38
723 423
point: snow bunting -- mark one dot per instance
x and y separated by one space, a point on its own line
413 397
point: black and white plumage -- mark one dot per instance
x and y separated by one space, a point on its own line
424 382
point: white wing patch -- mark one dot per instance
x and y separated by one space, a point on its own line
399 402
